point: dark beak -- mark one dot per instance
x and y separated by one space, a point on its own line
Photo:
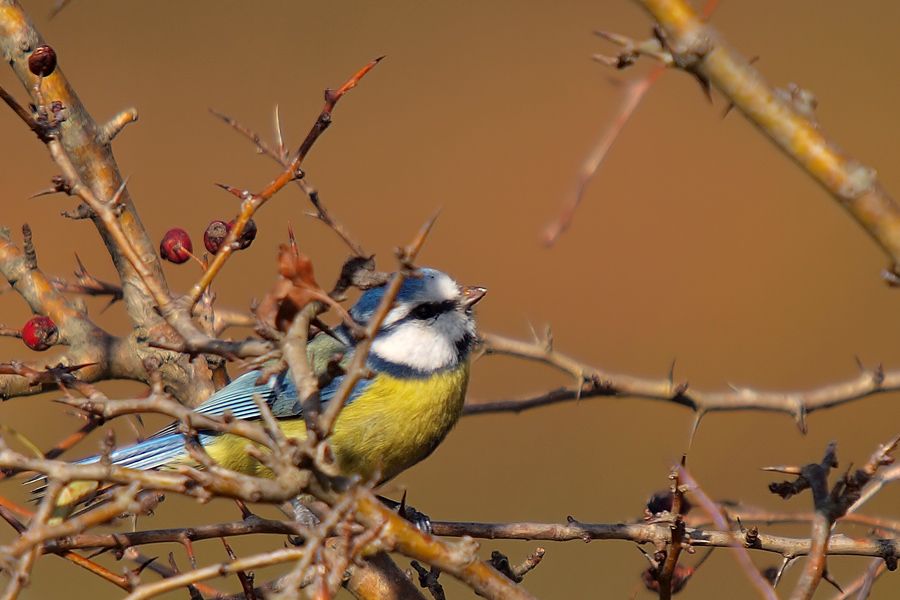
472 295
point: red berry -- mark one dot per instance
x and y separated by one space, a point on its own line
215 234
42 61
40 333
247 236
176 246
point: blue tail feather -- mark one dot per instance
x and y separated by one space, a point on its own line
150 454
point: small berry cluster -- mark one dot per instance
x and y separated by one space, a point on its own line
176 245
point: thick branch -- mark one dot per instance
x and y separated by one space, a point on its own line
90 153
102 355
41 294
699 49
378 578
458 560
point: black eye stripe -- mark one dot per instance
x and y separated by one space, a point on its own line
429 310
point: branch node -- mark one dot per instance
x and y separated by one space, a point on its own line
82 211
799 413
28 247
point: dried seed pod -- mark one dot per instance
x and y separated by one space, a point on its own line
215 235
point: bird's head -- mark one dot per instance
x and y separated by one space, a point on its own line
431 326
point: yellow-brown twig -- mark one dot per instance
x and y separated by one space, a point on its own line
699 49
459 560
253 202
91 156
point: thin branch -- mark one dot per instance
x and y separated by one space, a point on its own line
660 534
634 94
750 514
883 477
72 557
862 586
357 367
42 297
19 577
58 6
127 539
830 504
665 572
291 172
596 382
741 554
256 561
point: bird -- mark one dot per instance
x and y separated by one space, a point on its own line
419 363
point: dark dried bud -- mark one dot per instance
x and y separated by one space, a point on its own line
247 236
42 61
786 489
60 184
40 333
751 536
176 246
215 234
890 559
662 502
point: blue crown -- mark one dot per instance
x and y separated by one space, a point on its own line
411 289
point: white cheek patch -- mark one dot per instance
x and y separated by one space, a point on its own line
416 345
425 345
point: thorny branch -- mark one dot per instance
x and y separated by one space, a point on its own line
830 505
684 41
634 94
176 336
89 152
253 201
593 382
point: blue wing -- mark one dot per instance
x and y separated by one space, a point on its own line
237 398
278 392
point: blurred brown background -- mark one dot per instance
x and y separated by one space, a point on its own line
697 241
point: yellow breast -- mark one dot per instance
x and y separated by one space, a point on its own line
394 424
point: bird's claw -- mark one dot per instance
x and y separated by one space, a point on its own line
421 521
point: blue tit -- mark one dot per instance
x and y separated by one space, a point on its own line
420 364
